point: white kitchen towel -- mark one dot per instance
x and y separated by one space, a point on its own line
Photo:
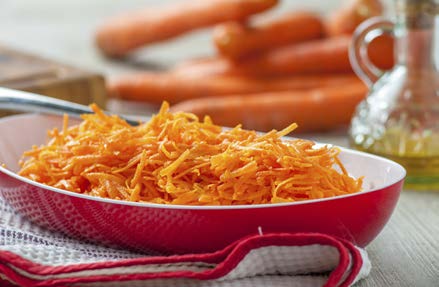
32 256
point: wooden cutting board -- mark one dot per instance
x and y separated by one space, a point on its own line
31 73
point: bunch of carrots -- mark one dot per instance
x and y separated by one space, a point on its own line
293 68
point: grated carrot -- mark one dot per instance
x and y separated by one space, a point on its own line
177 159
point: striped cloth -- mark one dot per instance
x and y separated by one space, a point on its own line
32 256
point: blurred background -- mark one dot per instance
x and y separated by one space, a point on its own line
64 32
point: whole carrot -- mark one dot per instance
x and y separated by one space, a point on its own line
236 40
380 52
158 87
203 67
346 19
313 110
329 55
124 33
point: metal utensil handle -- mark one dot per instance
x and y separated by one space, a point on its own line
358 56
29 102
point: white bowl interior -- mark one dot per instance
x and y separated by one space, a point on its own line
18 133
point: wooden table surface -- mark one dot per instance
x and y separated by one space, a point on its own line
406 253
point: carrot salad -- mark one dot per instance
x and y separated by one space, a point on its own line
177 159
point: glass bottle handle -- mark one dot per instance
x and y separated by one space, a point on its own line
358 56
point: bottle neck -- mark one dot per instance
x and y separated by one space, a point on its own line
416 41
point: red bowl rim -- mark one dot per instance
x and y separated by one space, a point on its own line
400 170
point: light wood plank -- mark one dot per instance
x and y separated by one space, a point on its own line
406 253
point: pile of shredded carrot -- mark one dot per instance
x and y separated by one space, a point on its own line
177 159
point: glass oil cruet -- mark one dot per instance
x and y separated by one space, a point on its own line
399 119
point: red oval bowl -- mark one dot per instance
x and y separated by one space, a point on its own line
180 229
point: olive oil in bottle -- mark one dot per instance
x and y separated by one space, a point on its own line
399 119
418 154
